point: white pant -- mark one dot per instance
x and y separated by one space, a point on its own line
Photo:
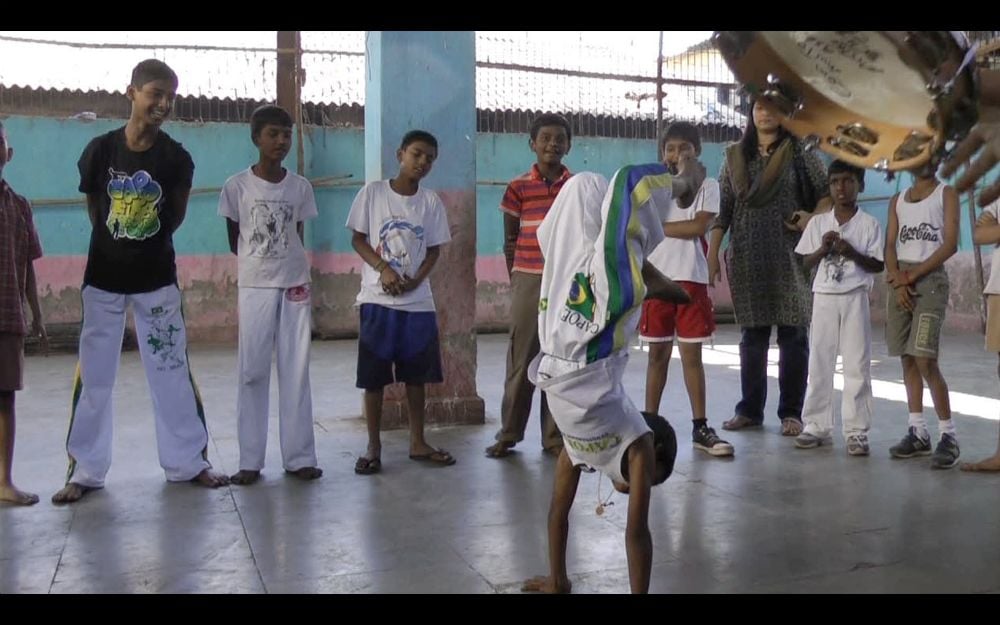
275 318
181 436
839 322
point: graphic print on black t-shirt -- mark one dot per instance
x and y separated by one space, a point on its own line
134 212
271 221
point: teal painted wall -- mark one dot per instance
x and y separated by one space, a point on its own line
44 168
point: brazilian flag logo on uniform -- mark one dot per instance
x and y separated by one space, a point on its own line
581 297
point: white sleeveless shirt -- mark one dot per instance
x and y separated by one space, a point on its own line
921 226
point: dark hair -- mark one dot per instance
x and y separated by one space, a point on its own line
749 141
664 442
842 167
550 119
684 131
150 70
418 135
268 114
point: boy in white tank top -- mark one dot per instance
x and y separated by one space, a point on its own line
921 235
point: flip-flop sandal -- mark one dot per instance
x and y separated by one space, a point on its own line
367 466
438 456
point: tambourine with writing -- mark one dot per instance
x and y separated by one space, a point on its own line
888 100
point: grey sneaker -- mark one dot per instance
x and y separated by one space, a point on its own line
946 454
808 440
705 439
857 444
911 445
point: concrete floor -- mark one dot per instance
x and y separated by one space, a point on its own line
772 520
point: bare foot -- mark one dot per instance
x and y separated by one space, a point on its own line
988 465
71 492
245 477
546 584
210 479
500 449
11 494
307 473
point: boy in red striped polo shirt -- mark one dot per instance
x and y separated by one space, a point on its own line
524 205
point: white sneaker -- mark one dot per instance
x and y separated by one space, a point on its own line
857 444
809 440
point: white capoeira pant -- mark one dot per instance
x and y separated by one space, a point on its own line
594 240
275 320
181 435
840 323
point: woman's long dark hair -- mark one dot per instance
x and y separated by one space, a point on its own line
749 142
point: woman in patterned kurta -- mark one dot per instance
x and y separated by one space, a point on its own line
767 181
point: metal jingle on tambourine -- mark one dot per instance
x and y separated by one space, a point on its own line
811 142
859 132
912 147
848 145
781 97
732 44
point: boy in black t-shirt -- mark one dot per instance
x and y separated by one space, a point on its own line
137 180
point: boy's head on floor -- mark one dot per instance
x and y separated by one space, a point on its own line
551 138
152 92
271 132
416 154
664 451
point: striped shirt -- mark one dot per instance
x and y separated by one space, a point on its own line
528 198
19 246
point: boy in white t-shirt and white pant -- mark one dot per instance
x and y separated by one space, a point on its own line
845 246
265 207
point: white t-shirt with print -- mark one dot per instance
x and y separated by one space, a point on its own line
269 250
835 273
684 259
400 228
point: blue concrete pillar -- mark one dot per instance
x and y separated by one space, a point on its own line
427 80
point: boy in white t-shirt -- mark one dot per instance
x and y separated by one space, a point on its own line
681 257
265 206
398 230
845 246
987 232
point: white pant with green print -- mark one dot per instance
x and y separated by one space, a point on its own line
181 435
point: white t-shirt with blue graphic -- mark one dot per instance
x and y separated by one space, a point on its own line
400 228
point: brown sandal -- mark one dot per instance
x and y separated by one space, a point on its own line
739 422
791 427
367 466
